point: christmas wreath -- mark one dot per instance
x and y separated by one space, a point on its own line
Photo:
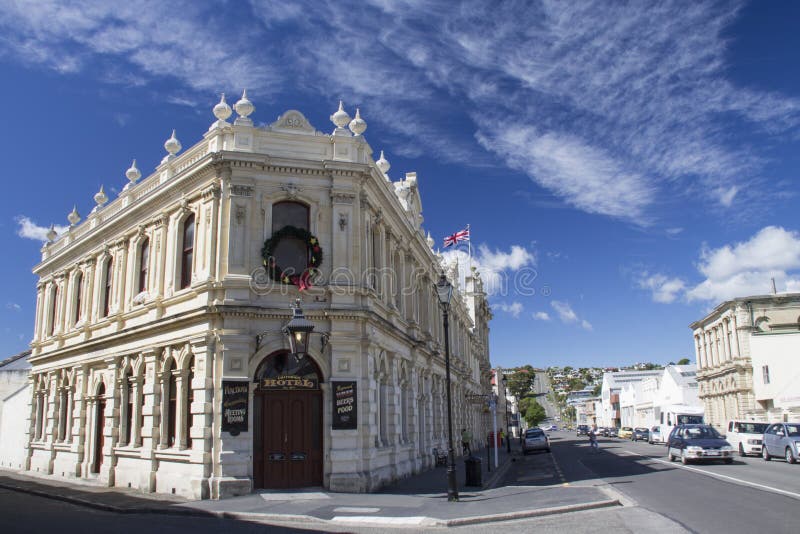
301 280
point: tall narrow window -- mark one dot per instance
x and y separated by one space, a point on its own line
187 251
107 279
172 404
128 385
78 296
63 400
765 373
291 253
189 421
53 310
40 414
144 262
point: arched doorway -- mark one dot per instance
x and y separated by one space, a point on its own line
99 425
287 420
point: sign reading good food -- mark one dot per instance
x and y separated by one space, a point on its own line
345 405
234 406
289 382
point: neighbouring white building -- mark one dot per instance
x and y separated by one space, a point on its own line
746 351
613 384
15 394
158 358
646 403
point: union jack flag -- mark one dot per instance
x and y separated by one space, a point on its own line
457 237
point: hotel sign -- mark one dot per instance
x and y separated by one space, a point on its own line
234 406
345 405
289 382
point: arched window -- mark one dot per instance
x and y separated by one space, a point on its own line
108 276
144 262
53 310
187 251
63 404
41 395
78 296
189 420
130 399
290 253
172 403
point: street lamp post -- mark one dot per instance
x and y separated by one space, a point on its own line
444 290
508 424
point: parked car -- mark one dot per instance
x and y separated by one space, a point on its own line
642 434
535 440
552 428
655 436
625 432
603 431
583 430
782 439
746 436
613 432
698 442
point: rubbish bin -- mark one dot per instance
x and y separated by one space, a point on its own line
473 466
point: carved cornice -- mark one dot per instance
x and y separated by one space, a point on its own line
242 190
342 197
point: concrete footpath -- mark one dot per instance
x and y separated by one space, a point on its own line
417 501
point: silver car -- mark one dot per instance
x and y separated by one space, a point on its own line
535 440
782 440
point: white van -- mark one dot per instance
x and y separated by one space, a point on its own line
746 436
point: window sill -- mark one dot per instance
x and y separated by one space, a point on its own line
174 454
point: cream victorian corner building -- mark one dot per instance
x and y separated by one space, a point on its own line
158 360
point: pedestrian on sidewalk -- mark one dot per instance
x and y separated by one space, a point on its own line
466 438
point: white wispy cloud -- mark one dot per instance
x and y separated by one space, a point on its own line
13 306
514 309
503 272
609 107
747 267
568 315
30 230
664 289
541 316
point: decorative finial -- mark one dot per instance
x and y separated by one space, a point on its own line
340 118
358 125
133 173
222 110
429 241
73 217
100 197
244 107
51 233
172 145
383 164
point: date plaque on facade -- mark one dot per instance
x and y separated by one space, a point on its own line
234 406
345 405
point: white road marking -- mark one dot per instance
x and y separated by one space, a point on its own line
717 475
292 496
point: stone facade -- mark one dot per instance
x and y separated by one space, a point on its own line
146 307
727 345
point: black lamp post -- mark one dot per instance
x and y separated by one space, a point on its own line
444 290
508 424
298 330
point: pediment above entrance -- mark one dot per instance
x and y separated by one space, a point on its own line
292 122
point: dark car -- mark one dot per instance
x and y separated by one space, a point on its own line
613 432
698 442
583 430
640 434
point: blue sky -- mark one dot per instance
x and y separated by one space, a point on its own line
630 167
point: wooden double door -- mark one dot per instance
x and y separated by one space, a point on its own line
287 441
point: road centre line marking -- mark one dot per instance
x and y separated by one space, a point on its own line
717 475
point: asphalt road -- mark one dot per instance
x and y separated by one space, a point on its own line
749 496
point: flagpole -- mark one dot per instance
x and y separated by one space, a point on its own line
469 249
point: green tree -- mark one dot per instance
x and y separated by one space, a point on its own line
597 389
520 382
575 384
683 361
532 411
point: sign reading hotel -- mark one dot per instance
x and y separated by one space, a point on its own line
234 406
289 382
345 405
